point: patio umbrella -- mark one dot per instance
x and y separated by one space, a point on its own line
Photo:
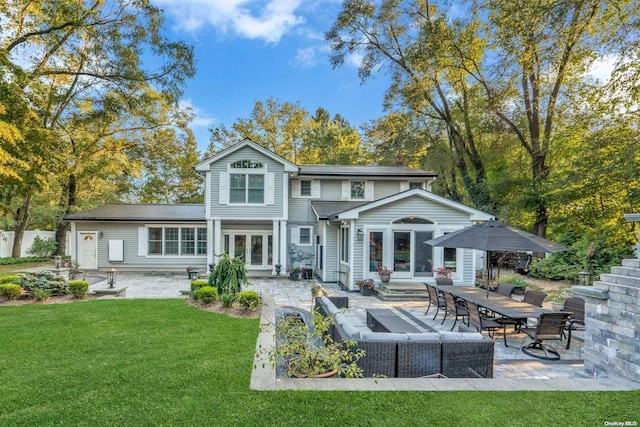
493 236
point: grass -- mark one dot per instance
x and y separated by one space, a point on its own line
163 362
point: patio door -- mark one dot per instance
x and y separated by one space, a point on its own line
255 249
402 260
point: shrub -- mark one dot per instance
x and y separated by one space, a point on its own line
207 294
555 268
196 285
12 278
229 275
45 280
42 247
227 299
78 288
24 260
249 300
41 295
10 290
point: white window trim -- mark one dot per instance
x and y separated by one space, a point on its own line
311 237
143 241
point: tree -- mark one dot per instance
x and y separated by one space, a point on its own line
78 65
426 54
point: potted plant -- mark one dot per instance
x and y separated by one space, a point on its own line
443 272
366 286
557 302
384 273
294 272
307 351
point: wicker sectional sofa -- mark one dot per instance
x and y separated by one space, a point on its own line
411 355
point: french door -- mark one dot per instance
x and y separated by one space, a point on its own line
255 249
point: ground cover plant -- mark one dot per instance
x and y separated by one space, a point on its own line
164 362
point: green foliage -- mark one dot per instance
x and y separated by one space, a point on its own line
515 279
42 247
207 294
229 275
196 285
78 288
74 269
300 347
227 299
11 278
10 290
554 268
44 280
249 300
23 260
41 294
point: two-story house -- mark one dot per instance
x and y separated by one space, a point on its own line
340 222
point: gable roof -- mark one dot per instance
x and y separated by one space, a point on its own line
203 166
344 211
327 209
142 212
363 171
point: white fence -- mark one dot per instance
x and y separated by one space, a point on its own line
6 241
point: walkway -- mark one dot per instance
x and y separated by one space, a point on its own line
512 371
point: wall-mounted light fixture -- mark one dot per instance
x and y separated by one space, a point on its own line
359 234
100 234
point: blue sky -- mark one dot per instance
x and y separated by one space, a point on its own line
248 51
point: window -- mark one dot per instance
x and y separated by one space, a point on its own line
246 164
305 235
375 250
246 188
357 190
413 185
177 241
305 188
450 258
344 244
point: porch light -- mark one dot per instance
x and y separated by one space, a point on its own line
360 234
111 277
585 278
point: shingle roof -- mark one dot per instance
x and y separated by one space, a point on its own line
141 212
326 210
343 170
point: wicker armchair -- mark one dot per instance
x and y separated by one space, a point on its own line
467 359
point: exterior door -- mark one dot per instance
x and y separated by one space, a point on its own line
402 259
88 250
254 249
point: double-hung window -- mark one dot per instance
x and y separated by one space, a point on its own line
247 182
177 241
357 190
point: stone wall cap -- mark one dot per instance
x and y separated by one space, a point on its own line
634 217
590 291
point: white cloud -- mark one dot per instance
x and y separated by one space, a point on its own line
305 58
602 68
200 117
246 18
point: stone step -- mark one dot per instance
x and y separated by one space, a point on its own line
631 263
620 279
402 291
626 271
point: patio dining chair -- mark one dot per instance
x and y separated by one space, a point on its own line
435 299
505 289
534 297
575 306
484 323
550 327
456 308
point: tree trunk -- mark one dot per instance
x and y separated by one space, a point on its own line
66 203
22 222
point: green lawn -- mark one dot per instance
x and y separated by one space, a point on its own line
163 362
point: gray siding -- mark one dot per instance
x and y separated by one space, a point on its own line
247 211
128 232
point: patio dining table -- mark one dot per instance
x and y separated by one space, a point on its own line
506 307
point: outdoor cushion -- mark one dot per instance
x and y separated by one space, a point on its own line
350 330
331 307
423 336
444 335
384 336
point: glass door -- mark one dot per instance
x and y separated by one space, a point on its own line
401 254
257 255
423 255
240 246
